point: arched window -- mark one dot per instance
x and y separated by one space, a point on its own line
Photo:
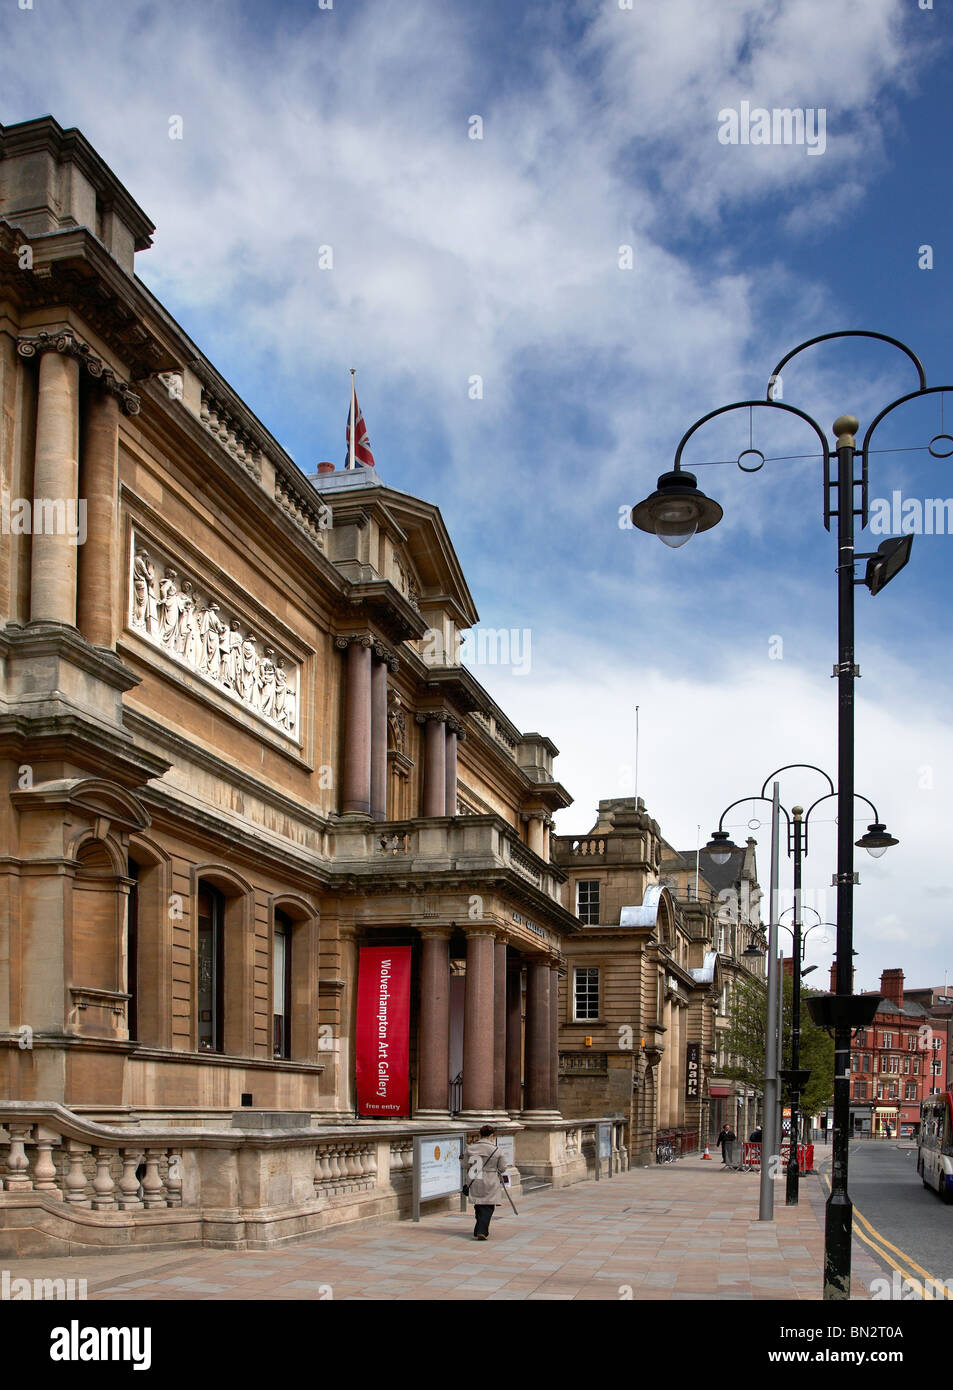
210 1036
281 984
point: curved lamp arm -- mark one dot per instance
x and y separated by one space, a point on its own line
740 802
857 797
740 405
901 400
787 768
852 333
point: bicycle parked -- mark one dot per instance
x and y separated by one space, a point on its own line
665 1152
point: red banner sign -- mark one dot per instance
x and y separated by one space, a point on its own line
382 1049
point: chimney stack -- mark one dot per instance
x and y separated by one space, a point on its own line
891 986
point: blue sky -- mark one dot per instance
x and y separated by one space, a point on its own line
498 258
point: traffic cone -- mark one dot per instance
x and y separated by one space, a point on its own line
706 1154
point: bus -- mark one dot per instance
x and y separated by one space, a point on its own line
935 1151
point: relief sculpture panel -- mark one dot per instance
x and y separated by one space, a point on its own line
205 636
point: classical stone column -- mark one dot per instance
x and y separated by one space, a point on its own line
554 1037
666 1070
546 835
435 765
678 1080
534 836
514 1039
539 1017
53 549
356 792
379 739
499 1026
433 1085
99 488
450 801
478 1019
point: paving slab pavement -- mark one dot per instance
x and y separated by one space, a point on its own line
679 1231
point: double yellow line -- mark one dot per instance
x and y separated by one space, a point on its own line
930 1288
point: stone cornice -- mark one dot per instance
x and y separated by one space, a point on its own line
43 639
73 270
65 341
188 751
395 614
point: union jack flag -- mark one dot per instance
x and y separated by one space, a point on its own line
363 458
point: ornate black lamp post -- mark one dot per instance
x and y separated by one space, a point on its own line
719 847
675 512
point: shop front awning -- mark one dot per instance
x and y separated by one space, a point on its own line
716 1091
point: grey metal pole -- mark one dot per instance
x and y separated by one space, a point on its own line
769 1134
780 1052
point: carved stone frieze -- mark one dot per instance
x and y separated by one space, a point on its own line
210 640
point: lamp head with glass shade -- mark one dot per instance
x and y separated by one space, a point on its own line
676 510
720 847
876 841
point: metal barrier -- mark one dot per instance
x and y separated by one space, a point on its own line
751 1156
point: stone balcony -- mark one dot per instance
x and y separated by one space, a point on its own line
451 846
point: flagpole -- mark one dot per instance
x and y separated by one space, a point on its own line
353 422
636 757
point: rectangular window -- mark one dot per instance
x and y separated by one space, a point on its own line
211 972
937 1068
132 951
916 1066
587 901
586 993
281 985
895 1064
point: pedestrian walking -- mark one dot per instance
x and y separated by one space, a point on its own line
486 1174
755 1136
726 1140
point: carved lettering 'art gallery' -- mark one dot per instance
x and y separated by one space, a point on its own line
234 774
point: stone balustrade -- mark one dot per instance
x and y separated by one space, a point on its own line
118 1176
229 432
482 843
69 1182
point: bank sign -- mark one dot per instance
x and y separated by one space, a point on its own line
692 1070
382 1049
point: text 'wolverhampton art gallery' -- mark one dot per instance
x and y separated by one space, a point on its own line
277 884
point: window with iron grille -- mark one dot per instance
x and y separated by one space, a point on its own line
586 992
587 901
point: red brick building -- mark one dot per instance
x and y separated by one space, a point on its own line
898 1061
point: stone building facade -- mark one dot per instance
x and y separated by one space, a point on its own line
645 993
238 748
730 892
